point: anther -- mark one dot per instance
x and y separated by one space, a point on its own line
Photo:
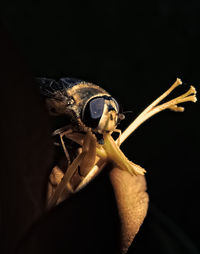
154 108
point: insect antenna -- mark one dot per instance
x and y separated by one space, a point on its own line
127 112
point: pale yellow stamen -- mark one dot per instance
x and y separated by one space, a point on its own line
153 109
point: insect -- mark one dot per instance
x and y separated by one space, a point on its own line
88 115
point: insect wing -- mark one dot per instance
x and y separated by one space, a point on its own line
69 82
50 88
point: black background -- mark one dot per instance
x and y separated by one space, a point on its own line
135 51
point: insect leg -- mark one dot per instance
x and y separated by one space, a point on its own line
64 148
63 132
54 179
64 183
118 139
85 160
89 147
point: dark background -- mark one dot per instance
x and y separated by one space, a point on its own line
135 51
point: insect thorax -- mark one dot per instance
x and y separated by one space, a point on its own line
71 102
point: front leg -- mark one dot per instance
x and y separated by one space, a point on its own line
89 147
84 161
118 139
65 181
64 147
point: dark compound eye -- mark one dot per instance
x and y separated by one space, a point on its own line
110 107
116 103
93 112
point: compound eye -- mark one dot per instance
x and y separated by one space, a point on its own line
93 112
96 107
116 104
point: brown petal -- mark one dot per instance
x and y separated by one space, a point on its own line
132 203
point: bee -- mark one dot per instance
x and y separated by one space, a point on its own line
84 118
